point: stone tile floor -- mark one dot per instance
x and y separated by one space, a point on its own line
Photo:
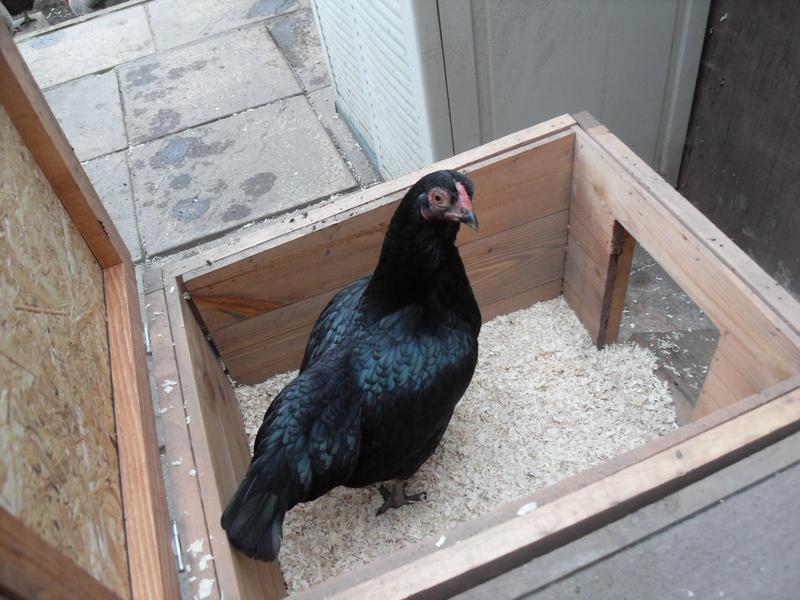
195 117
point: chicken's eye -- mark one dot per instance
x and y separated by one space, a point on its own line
439 198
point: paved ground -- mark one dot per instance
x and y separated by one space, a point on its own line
196 117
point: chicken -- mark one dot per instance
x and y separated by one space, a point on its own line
385 365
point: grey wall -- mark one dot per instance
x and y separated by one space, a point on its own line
631 63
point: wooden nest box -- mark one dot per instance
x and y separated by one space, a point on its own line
560 204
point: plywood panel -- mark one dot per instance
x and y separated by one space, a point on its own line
59 470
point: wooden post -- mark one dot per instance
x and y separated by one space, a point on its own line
599 255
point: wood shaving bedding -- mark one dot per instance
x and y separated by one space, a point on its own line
543 404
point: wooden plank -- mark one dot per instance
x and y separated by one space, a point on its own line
220 450
517 187
706 233
516 259
500 267
740 167
731 375
147 528
32 568
599 255
458 567
254 242
550 493
22 98
54 360
624 534
182 470
624 247
698 257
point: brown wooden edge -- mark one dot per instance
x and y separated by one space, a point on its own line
758 320
183 472
550 493
733 257
31 568
147 525
148 534
28 109
459 566
236 575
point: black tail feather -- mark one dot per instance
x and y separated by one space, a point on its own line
253 520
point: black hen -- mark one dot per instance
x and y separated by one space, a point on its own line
386 363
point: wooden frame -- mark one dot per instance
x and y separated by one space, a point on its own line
561 204
31 567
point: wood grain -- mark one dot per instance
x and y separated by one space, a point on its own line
599 256
220 450
740 164
718 277
500 267
147 526
22 98
59 471
182 470
550 493
31 568
457 567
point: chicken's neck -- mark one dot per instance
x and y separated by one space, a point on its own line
412 259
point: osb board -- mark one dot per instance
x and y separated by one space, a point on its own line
58 461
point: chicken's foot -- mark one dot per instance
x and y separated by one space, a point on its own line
397 497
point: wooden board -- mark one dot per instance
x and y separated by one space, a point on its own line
740 166
220 451
131 431
259 310
33 569
179 457
59 470
22 98
258 347
458 567
714 273
150 557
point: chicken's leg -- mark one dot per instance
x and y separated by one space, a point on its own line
397 497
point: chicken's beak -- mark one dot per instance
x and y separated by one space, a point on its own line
469 219
463 209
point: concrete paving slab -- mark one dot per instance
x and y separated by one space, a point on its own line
89 47
323 101
202 82
744 547
177 22
296 34
654 302
203 181
90 113
109 175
